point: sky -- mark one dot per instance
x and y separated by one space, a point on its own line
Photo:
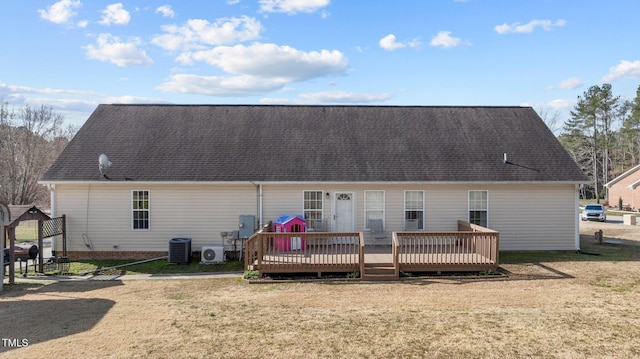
75 54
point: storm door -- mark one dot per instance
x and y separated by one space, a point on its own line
343 215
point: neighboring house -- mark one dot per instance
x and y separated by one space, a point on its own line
625 187
192 170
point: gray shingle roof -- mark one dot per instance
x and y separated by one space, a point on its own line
315 143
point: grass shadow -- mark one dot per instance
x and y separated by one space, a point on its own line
46 286
38 321
534 271
160 266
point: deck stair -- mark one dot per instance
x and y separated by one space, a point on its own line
379 272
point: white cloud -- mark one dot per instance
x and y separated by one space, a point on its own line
560 104
568 84
255 70
232 2
128 99
293 6
546 25
197 33
345 97
283 101
625 69
445 40
60 12
115 14
273 61
389 43
74 105
13 89
220 85
165 10
109 48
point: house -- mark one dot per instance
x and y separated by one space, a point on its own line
192 170
625 188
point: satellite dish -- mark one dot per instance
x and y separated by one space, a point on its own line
103 164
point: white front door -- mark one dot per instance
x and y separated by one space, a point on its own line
343 212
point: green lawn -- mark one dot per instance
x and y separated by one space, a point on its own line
27 231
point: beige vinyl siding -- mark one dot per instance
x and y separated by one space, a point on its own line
534 217
528 217
199 212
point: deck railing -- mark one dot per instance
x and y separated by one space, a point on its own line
471 248
276 252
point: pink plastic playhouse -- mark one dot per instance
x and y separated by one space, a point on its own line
288 224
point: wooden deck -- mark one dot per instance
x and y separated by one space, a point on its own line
472 248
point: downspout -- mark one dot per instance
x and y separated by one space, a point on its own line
259 206
259 203
576 216
52 191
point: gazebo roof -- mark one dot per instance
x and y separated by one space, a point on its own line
21 213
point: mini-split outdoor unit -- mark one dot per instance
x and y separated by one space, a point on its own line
212 254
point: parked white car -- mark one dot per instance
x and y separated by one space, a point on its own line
594 212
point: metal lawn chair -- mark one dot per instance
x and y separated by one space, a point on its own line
411 225
377 230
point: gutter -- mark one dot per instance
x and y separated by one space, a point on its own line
114 182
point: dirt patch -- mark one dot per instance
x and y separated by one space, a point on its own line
612 230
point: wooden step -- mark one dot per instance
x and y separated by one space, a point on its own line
379 272
367 264
379 277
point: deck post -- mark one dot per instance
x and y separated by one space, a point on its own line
260 252
394 252
361 253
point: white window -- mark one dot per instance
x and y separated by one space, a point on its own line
373 206
414 209
479 208
312 209
140 210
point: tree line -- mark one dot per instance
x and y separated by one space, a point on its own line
602 134
31 138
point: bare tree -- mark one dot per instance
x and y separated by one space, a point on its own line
551 118
30 140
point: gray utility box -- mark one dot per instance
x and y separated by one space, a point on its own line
247 225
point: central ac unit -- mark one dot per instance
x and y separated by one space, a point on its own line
212 254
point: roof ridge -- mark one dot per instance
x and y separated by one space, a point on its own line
313 105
